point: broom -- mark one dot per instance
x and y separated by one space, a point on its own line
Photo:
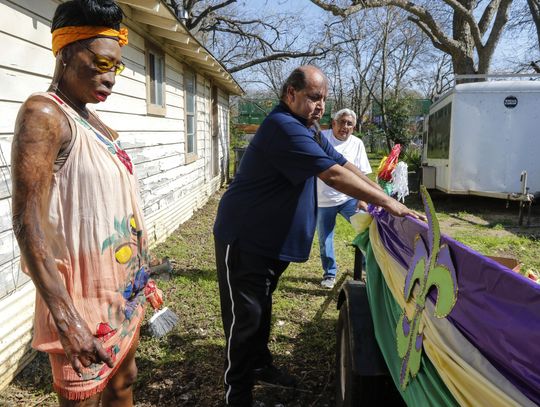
163 320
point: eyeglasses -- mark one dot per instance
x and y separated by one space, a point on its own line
345 123
104 64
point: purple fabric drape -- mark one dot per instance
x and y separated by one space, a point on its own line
497 309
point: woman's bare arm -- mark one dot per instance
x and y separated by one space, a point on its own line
41 131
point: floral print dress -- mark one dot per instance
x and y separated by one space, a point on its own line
96 232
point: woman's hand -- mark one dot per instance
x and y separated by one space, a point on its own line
81 347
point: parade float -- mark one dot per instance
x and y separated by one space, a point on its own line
444 324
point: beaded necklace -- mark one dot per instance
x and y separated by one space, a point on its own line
104 137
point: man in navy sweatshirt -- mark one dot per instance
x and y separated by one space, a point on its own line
266 219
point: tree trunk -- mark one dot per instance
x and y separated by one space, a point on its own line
383 87
463 60
464 65
470 37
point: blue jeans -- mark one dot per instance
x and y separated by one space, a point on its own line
326 222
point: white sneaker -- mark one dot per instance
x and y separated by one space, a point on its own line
328 282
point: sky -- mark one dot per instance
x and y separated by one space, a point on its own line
305 6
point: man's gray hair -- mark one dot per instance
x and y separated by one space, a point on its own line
344 112
297 80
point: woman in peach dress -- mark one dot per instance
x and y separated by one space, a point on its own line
77 214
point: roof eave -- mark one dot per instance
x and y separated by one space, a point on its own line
164 25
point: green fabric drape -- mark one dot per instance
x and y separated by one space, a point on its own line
427 388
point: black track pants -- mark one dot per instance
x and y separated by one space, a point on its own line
246 283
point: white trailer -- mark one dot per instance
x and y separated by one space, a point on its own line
483 138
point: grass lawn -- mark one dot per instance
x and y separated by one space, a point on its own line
303 328
185 367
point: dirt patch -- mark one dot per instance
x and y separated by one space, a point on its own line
489 226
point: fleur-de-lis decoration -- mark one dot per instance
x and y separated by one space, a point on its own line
433 268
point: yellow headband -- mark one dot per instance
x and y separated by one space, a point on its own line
66 35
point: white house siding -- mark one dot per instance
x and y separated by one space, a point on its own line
171 189
16 321
26 66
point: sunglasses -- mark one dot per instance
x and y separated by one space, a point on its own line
104 64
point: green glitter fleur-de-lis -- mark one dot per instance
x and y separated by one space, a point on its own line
428 269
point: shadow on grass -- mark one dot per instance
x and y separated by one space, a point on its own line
507 223
292 279
194 274
311 362
318 291
491 213
312 358
187 372
314 354
35 378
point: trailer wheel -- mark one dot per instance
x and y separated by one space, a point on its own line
348 384
355 390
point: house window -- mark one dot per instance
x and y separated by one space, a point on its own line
190 90
155 80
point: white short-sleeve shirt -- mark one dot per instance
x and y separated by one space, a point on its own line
354 151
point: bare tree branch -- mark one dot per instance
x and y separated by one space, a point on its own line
239 38
467 33
425 29
192 23
534 7
501 19
338 11
487 16
421 13
236 27
273 57
467 15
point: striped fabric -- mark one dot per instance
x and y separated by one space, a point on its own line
455 368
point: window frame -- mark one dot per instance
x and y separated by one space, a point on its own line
151 107
439 133
191 156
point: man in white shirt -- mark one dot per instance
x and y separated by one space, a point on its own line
330 201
